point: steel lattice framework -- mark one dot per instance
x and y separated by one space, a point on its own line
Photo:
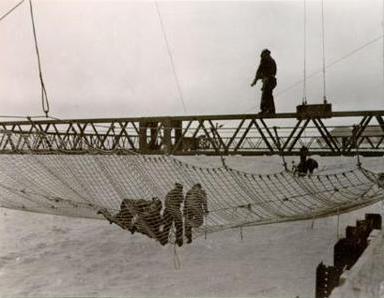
338 133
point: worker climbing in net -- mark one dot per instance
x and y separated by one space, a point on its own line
306 165
172 215
195 207
143 216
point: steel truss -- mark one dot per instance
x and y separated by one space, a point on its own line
343 133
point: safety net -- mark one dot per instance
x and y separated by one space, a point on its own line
95 186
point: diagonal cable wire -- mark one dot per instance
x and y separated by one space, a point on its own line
170 57
44 96
11 10
351 53
334 62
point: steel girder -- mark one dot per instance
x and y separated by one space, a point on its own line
344 133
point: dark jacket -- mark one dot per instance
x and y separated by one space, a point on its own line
174 198
267 68
196 201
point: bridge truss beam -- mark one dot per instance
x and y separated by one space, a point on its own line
340 133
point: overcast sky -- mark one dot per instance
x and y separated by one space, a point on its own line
109 58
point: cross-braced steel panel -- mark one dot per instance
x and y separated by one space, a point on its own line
340 133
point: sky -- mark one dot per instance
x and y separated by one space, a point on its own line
110 58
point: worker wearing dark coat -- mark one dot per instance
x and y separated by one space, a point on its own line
195 207
149 220
306 164
311 165
266 72
172 214
128 210
302 166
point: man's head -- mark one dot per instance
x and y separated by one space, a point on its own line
156 204
265 53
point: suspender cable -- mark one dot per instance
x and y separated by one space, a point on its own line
170 57
44 96
305 55
351 53
11 10
331 64
323 38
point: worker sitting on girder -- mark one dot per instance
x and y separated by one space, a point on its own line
266 72
195 207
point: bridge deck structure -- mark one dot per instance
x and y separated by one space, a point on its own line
326 134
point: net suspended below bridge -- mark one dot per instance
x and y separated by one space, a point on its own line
81 185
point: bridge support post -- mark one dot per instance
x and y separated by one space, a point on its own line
147 145
169 141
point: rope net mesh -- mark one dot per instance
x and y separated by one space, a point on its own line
122 188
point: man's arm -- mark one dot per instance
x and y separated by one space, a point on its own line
254 81
259 74
204 201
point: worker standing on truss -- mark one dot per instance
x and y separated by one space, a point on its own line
266 72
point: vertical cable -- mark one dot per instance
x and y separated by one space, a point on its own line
382 23
323 38
170 57
305 55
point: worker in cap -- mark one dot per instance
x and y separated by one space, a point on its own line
267 73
